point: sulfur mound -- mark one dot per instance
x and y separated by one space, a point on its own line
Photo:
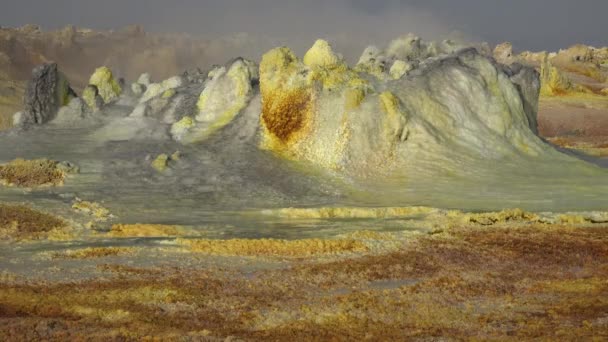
226 94
418 122
450 108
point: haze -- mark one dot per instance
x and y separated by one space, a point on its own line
534 25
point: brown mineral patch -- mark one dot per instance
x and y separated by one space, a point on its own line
22 223
284 114
6 120
31 173
541 282
122 269
588 70
505 216
270 247
557 119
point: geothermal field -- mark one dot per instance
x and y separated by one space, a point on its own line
430 190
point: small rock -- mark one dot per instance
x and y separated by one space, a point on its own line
68 167
182 127
194 76
177 155
138 89
215 71
144 79
140 111
91 97
161 163
74 111
400 69
169 93
19 120
126 101
373 62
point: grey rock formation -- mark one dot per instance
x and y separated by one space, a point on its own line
19 120
138 89
527 81
140 111
91 97
47 91
144 79
74 112
195 75
503 53
183 104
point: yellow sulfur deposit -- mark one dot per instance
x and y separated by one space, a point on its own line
270 247
396 118
399 69
353 98
350 212
224 98
91 208
94 252
226 94
146 230
168 93
90 95
181 128
108 87
161 163
293 92
321 55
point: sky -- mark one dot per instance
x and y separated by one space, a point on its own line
529 24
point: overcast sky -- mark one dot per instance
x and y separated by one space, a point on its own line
529 24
